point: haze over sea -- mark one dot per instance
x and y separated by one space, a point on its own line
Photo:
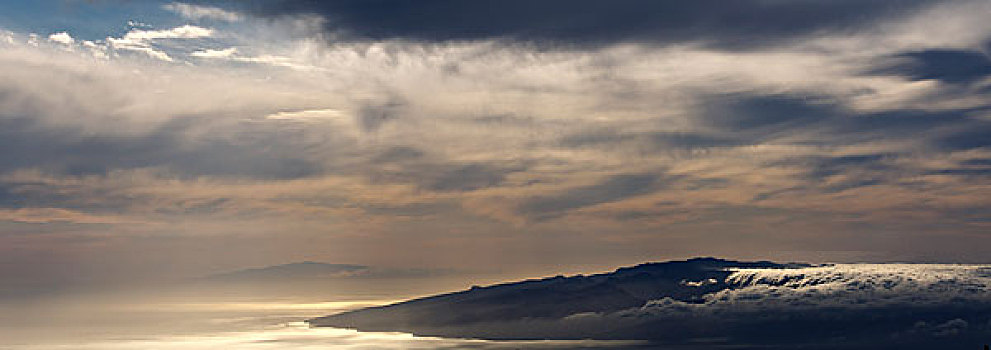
189 315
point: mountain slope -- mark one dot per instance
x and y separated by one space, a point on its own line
712 303
549 298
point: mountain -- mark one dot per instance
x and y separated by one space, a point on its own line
300 270
713 302
549 298
316 271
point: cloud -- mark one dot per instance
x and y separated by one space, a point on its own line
613 188
972 135
739 24
69 151
306 115
62 38
141 40
210 53
849 285
469 177
659 141
554 111
863 303
51 215
398 154
525 117
55 124
196 12
952 66
231 54
841 172
372 115
765 115
181 32
7 37
401 164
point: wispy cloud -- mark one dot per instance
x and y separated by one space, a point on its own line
211 53
50 215
141 40
197 12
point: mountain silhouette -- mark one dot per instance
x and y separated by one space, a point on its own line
705 303
549 298
299 270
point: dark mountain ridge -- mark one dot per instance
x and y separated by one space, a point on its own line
549 298
707 303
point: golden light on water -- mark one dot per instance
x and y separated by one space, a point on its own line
251 306
298 335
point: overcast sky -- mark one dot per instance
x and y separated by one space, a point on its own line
154 138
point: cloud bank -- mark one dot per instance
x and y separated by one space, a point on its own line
551 131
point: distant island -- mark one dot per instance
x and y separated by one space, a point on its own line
306 269
710 302
315 271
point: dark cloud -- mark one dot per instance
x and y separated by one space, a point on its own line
911 123
852 184
852 171
24 195
952 66
821 167
371 116
613 188
973 134
16 194
447 176
963 171
649 141
506 119
398 154
468 178
707 183
735 23
940 131
977 162
764 115
755 119
26 143
409 210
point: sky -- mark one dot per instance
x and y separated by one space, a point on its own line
157 139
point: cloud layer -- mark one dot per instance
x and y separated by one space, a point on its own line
741 24
842 129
